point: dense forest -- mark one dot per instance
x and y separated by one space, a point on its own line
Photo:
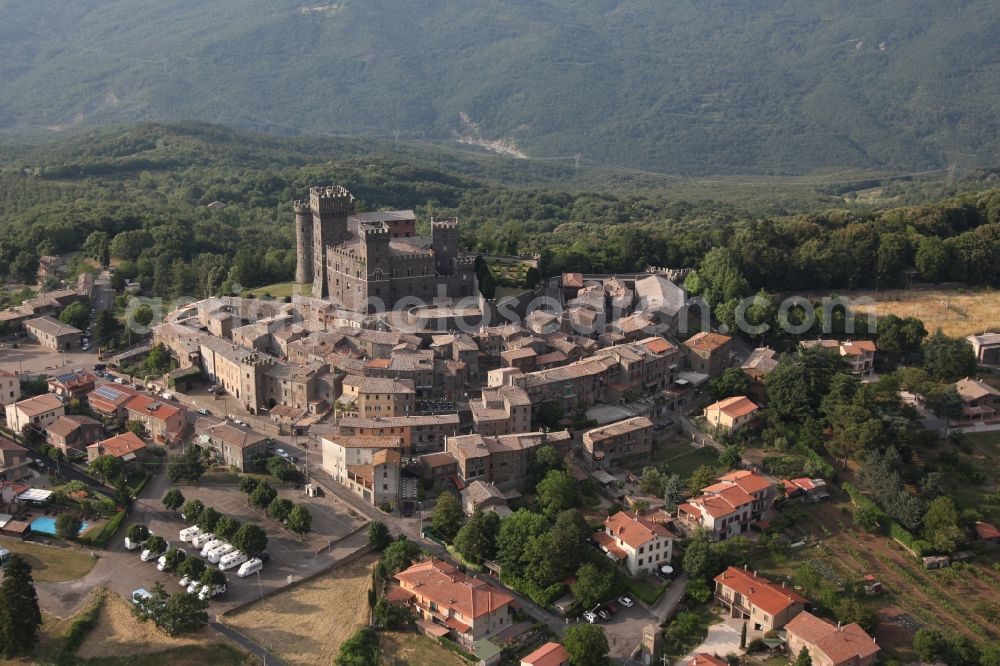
139 196
731 86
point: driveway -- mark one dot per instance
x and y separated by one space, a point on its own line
723 638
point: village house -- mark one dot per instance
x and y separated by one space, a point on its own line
74 385
731 414
859 354
438 469
485 496
450 603
165 423
618 444
74 433
639 544
761 362
53 334
127 447
729 507
416 367
505 460
229 443
367 465
12 456
420 434
37 413
371 397
705 659
550 654
708 352
986 347
830 644
501 411
765 605
980 401
110 400
10 388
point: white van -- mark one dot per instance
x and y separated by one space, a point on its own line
210 546
218 553
202 538
189 533
250 567
231 560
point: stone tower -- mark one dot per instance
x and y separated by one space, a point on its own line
303 242
375 239
329 207
444 239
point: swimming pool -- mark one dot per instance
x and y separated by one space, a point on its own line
47 525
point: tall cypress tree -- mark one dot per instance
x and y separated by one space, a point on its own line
20 616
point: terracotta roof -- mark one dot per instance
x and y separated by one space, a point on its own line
379 384
443 584
705 659
608 542
10 445
64 426
635 530
657 345
399 594
707 341
734 407
857 348
74 379
399 421
365 441
39 404
440 459
230 433
51 326
751 482
363 471
759 591
386 457
839 645
120 445
969 389
550 654
148 406
987 530
572 279
109 397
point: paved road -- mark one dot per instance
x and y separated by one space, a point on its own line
246 643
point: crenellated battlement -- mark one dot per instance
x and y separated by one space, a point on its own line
301 207
376 231
445 223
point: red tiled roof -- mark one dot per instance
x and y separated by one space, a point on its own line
550 654
656 345
987 531
840 645
705 659
707 341
734 407
161 411
759 591
608 542
634 529
120 445
442 583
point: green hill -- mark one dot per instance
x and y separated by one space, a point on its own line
726 86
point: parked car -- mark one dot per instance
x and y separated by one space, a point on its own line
204 412
604 614
281 452
250 567
185 581
146 555
167 396
626 602
590 617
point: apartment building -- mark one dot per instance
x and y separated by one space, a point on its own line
503 460
639 544
420 434
729 507
619 443
501 411
36 413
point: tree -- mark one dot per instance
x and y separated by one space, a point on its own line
803 659
173 499
208 519
106 328
137 533
399 555
731 456
948 359
192 567
143 315
586 645
447 516
279 508
226 527
673 492
391 615
361 649
941 527
550 414
20 615
281 469
76 315
592 585
743 636
929 644
300 520
182 614
146 608
855 429
653 481
944 401
188 466
250 539
990 653
477 540
107 468
557 492
173 558
547 458
156 544
263 495
68 525
732 382
191 510
213 577
699 560
136 427
378 535
897 335
248 484
702 477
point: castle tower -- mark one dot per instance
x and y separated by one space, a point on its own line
444 240
378 271
330 208
303 242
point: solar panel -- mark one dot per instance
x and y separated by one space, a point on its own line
67 378
108 393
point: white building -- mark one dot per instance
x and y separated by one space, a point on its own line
39 412
641 545
369 465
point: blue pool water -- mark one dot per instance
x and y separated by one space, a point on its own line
47 525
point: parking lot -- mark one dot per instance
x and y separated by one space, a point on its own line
291 557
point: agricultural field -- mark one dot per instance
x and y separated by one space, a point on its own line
957 313
972 472
412 649
308 623
961 599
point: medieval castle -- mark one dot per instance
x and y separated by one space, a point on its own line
357 259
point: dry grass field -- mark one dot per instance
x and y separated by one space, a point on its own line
957 313
50 564
119 634
307 624
411 649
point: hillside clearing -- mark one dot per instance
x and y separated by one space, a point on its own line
957 313
307 624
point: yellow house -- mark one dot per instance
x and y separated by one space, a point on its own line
732 413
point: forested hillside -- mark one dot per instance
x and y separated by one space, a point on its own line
141 194
728 86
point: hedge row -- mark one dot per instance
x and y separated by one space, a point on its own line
108 531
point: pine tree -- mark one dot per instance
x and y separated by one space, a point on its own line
803 659
672 492
20 616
